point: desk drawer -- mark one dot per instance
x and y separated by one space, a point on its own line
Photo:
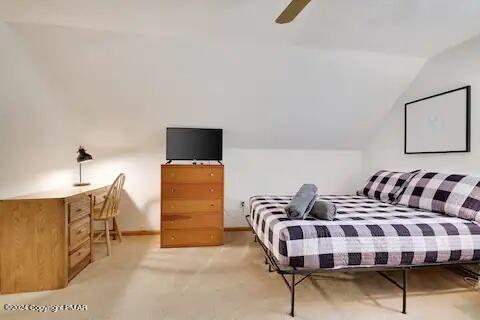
192 191
193 174
189 206
78 209
99 197
191 237
79 254
79 232
192 220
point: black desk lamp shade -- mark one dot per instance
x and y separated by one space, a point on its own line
83 156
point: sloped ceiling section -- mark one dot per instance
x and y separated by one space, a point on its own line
125 71
129 87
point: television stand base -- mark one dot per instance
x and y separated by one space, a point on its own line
195 162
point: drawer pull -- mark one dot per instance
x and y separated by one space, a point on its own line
211 174
172 190
78 210
80 231
212 190
211 236
212 205
79 253
173 237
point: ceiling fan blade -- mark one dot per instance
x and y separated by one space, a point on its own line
291 11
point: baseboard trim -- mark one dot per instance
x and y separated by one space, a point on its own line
157 232
141 233
234 229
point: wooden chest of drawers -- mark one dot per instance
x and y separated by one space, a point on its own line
192 205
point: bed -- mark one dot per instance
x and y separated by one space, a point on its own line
366 234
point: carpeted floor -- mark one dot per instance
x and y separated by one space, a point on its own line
141 281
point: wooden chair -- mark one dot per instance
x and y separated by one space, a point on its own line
110 210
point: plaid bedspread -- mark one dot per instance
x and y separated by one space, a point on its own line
365 232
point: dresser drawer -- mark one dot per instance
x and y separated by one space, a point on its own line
191 221
188 206
192 174
78 209
192 191
78 255
191 237
79 232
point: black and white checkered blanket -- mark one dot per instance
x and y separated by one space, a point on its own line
365 232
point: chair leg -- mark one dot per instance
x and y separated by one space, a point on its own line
107 236
117 229
113 233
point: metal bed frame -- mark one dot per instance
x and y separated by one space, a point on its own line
284 272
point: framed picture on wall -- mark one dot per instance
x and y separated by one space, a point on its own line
439 123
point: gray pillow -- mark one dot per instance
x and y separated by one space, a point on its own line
324 210
302 203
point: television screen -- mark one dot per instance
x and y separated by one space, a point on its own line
194 144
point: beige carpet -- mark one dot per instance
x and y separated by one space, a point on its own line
141 281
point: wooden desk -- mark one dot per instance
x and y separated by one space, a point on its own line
46 238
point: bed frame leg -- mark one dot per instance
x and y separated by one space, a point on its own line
405 284
292 296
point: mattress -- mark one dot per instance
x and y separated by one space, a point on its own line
365 233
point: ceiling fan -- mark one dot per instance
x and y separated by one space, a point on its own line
291 11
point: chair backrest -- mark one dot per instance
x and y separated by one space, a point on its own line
112 201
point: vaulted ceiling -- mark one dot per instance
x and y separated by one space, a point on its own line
124 70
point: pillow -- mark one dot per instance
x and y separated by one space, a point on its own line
453 194
324 210
302 202
386 185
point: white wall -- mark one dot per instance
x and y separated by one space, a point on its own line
53 97
41 126
38 140
253 171
247 172
456 67
39 136
35 140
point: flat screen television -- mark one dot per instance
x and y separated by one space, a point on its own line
194 144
